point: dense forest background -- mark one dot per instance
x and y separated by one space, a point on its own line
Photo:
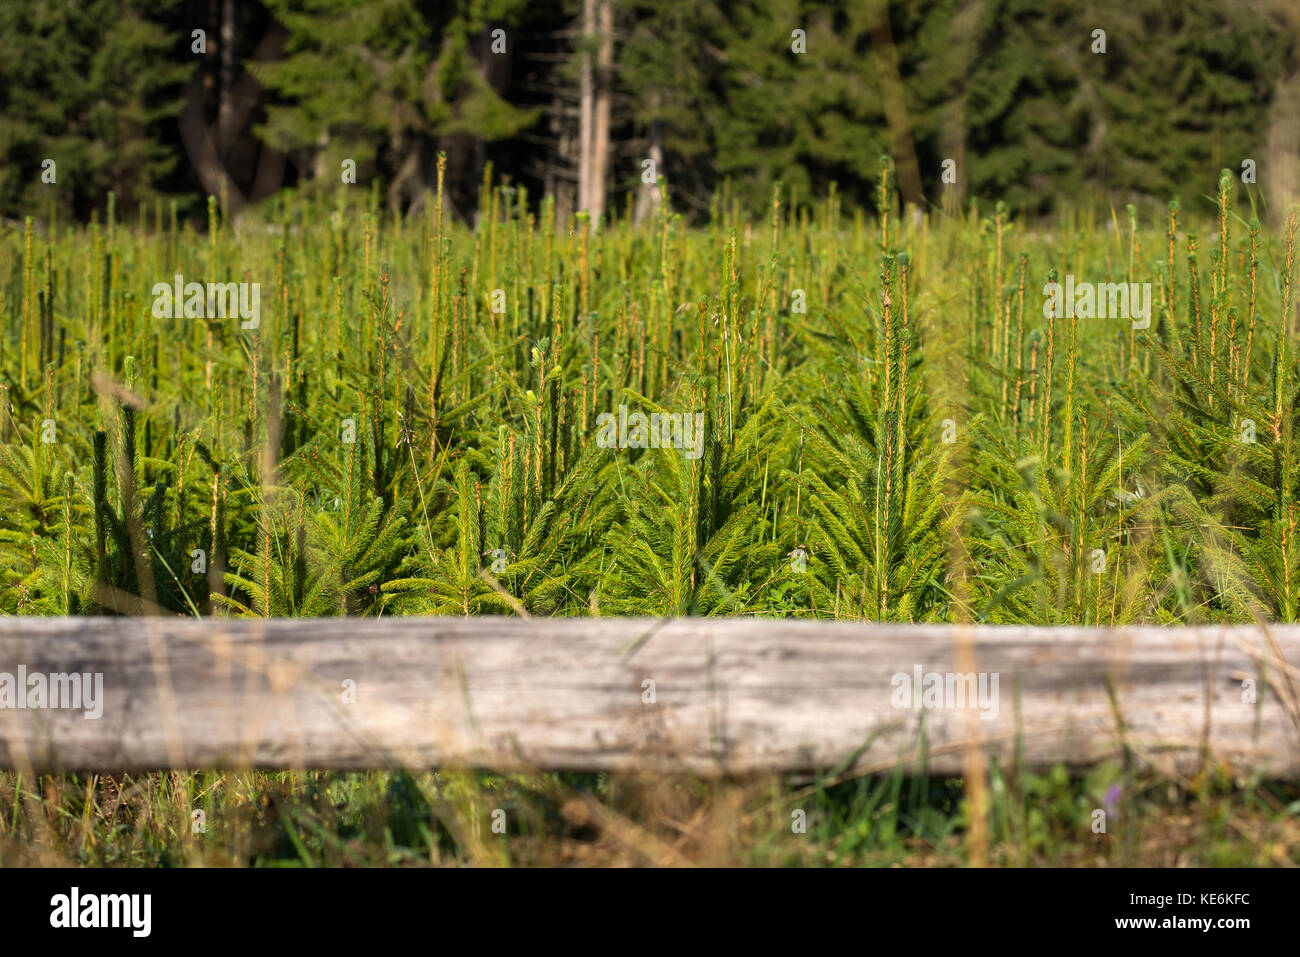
575 98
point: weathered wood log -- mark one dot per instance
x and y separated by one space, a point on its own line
717 696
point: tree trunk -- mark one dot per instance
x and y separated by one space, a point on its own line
604 96
586 107
895 104
1279 167
225 104
647 194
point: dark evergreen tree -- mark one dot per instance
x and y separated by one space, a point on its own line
387 85
92 85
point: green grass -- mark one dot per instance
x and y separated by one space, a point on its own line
446 819
387 442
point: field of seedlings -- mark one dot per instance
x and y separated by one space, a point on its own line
880 421
820 414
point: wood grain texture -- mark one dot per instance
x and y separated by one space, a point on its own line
730 695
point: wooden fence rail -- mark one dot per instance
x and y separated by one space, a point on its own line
714 695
